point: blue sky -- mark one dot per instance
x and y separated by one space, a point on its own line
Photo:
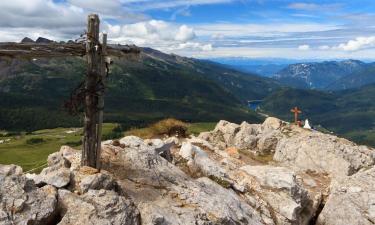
302 29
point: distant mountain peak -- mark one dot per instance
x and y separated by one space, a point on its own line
43 40
317 75
27 40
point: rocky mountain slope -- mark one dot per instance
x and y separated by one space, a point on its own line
317 75
270 173
32 92
355 80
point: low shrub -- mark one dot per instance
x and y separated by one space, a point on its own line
170 127
112 135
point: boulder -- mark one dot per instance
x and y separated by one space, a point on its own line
272 123
156 143
322 153
96 207
267 143
21 202
9 170
187 151
277 188
132 141
351 201
102 180
54 175
197 158
227 131
246 137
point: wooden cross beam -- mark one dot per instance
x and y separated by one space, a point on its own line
36 50
296 111
96 54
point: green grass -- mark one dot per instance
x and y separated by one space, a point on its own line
362 137
197 128
30 156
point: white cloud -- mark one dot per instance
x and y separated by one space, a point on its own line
276 52
324 47
304 47
314 7
157 34
303 6
194 46
357 44
266 30
166 4
151 31
185 33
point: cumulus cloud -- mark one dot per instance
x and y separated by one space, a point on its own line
357 44
304 47
185 33
194 46
67 20
158 34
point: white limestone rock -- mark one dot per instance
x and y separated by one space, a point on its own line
96 207
323 153
278 189
21 202
351 201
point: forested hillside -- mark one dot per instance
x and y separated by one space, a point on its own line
350 113
143 90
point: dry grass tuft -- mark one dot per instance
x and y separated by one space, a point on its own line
169 127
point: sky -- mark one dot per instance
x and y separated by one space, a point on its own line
319 29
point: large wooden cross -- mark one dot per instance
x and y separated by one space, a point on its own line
97 56
296 111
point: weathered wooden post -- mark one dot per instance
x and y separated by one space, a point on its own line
90 153
101 88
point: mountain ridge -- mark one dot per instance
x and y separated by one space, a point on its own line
160 84
317 75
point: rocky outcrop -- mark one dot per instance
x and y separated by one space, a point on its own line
21 202
270 173
351 200
63 193
284 199
315 151
96 207
303 149
166 195
256 138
